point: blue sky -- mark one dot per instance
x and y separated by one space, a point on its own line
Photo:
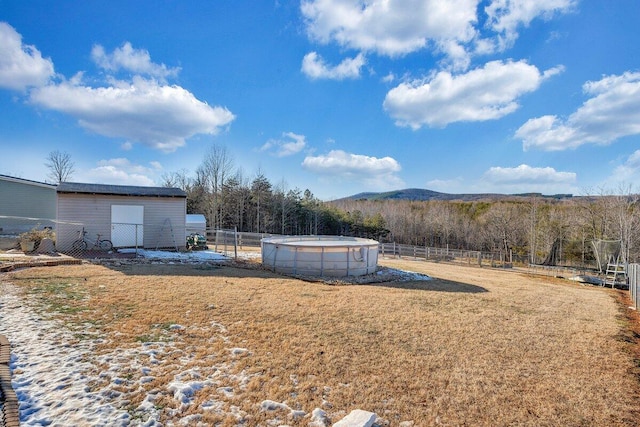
334 96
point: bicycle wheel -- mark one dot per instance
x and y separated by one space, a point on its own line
106 245
79 245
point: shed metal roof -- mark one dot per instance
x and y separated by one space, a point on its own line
26 181
119 190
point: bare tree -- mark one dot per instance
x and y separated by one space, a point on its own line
217 167
179 179
60 166
504 226
624 209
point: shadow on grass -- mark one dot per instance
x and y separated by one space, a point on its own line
433 285
150 267
246 269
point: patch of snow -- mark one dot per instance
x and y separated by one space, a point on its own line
295 414
404 274
49 379
183 391
270 405
587 279
237 351
249 255
318 418
207 255
60 380
357 418
227 391
212 405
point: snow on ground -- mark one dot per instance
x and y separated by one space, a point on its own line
49 367
206 255
61 379
405 275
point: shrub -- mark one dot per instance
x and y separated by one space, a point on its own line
36 235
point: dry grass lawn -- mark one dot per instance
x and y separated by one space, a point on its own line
476 347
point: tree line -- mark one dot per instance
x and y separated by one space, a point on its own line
525 226
230 199
531 227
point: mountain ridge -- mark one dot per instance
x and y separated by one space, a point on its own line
420 194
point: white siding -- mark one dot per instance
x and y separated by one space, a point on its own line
93 212
25 199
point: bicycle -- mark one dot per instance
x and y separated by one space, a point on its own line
82 243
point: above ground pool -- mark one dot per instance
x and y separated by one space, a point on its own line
333 256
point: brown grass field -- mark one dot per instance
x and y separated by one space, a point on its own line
473 347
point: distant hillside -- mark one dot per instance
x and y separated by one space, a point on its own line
419 194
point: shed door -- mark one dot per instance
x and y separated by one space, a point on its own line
127 226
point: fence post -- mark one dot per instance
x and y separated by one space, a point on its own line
235 243
634 273
636 280
633 284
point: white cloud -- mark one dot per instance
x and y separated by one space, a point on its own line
372 172
505 16
452 28
613 112
389 78
454 185
314 67
292 144
121 171
481 94
525 175
457 56
137 61
511 180
391 28
142 110
627 172
159 116
21 66
527 179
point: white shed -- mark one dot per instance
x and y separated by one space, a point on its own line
195 223
129 216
